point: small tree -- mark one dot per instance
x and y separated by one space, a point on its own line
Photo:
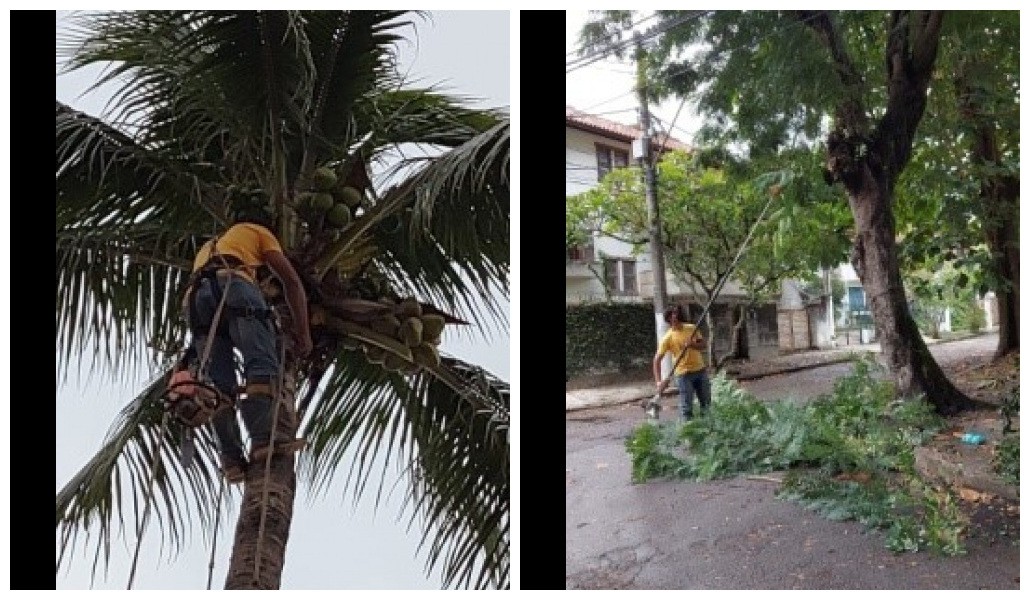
709 202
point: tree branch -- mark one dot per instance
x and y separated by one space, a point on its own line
851 112
911 52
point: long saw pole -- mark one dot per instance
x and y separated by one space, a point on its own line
653 406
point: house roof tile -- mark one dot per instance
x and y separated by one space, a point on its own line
578 119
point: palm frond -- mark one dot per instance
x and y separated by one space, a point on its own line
354 61
454 445
462 474
422 116
456 251
96 498
126 234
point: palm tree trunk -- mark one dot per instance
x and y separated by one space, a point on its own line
277 498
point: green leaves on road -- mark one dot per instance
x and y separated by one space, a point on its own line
850 455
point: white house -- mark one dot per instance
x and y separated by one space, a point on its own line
593 147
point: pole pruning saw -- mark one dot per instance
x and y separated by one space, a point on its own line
652 406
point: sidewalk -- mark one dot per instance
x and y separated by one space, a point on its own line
637 390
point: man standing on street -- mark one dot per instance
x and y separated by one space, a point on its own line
690 373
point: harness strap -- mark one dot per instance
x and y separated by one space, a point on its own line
202 371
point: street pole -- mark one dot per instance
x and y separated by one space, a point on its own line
651 192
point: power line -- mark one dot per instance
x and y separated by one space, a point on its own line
776 31
653 32
614 112
619 97
668 132
613 34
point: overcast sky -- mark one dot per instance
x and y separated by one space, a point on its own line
606 87
334 544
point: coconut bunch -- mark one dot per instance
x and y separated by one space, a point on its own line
328 200
403 337
353 304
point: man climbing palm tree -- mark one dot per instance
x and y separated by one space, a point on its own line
228 266
301 104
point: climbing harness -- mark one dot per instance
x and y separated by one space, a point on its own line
191 396
652 406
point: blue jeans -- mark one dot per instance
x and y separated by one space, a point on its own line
253 335
689 383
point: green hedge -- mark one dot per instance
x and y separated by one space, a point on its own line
607 337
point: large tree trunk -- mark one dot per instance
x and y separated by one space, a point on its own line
867 161
244 573
1003 243
999 208
876 262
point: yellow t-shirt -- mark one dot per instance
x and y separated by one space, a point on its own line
673 342
245 241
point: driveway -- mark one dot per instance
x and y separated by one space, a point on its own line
734 534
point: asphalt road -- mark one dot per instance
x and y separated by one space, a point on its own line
734 534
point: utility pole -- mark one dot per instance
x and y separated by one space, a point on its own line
644 155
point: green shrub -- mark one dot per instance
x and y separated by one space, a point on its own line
608 337
1006 459
968 316
977 320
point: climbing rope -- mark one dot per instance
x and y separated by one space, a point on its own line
214 534
148 500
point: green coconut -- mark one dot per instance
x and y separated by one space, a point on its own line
411 331
387 326
390 224
409 307
339 215
322 201
425 355
432 327
349 196
323 179
304 199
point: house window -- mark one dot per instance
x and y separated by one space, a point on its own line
629 276
621 276
609 158
581 253
856 298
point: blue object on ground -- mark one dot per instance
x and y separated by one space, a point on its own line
973 438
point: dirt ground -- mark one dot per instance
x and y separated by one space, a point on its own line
734 534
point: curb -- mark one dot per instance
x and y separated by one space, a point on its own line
760 375
747 377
